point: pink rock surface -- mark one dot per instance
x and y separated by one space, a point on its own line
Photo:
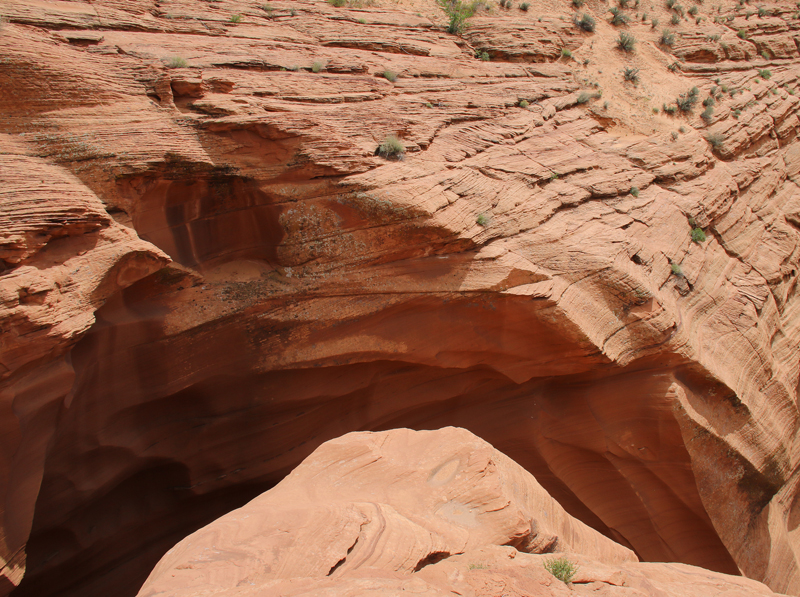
426 512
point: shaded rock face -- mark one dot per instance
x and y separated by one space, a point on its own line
431 512
206 271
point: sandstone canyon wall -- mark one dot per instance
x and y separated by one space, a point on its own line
206 271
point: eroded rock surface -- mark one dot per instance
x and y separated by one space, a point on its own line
207 271
430 512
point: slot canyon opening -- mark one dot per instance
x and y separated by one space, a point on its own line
175 419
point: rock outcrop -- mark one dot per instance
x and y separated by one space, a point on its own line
430 512
207 270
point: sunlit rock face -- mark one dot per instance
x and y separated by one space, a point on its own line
207 271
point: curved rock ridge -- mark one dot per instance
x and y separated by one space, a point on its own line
432 512
207 270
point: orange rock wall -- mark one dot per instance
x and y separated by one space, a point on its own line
207 272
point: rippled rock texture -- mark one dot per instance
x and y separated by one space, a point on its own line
429 512
207 271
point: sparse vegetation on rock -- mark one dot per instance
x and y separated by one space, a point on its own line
586 22
626 42
391 148
458 13
563 569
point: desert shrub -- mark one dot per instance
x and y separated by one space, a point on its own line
459 13
583 97
524 6
482 220
635 191
707 114
482 55
693 11
586 22
698 236
669 109
654 23
671 3
578 3
765 73
675 19
676 269
362 21
235 19
631 74
523 103
618 17
762 12
687 101
390 75
337 3
674 135
626 42
562 569
715 139
177 62
316 67
623 3
709 101
742 33
566 53
737 113
667 38
391 148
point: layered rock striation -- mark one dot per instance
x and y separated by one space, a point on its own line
430 512
207 271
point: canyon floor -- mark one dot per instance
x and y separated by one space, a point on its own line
586 256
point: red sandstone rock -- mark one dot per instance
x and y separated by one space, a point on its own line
431 512
503 277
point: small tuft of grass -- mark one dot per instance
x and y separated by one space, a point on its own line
687 101
586 23
316 67
742 33
566 53
362 21
626 42
693 11
562 569
698 235
459 12
390 75
391 148
524 6
618 17
177 62
583 97
667 38
235 19
523 103
635 191
481 220
337 3
676 19
654 23
707 114
676 269
578 3
482 55
715 140
631 74
766 74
